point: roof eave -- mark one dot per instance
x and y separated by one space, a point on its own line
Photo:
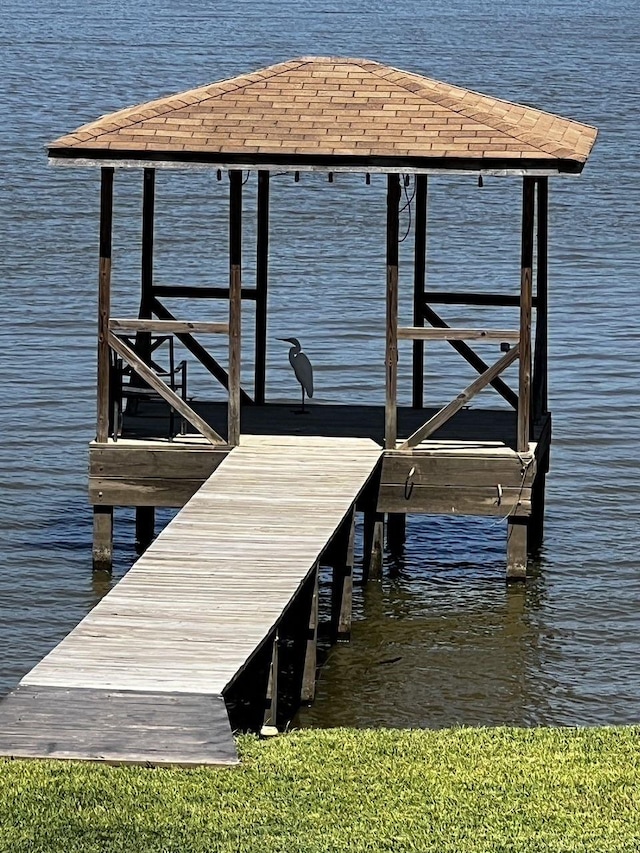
123 158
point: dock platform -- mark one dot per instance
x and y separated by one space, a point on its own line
142 678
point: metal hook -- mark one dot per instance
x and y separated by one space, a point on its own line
408 484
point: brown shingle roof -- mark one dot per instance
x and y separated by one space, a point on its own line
321 110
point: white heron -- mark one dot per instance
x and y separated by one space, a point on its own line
301 367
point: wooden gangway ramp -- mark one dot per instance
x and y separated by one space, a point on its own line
141 678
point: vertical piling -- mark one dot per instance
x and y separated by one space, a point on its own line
103 515
391 356
262 283
419 282
235 303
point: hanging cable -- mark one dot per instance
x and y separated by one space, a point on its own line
407 206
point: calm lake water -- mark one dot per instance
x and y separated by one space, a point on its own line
441 641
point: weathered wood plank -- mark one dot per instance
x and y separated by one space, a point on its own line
416 469
124 491
165 327
164 462
417 333
201 602
116 727
455 500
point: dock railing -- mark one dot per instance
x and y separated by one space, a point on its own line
165 327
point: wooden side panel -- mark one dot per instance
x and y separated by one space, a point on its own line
118 727
485 484
126 475
455 500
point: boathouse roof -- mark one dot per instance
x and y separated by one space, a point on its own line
333 114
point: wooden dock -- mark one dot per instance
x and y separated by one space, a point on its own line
142 678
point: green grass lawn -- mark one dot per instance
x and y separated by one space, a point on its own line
342 790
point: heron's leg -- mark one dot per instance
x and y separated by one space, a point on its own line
302 386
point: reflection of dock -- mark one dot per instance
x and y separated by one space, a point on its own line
143 676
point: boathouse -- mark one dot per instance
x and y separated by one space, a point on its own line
236 571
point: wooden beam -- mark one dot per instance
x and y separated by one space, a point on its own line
145 527
517 548
102 538
204 357
104 303
235 304
496 300
396 532
347 163
540 361
526 293
472 358
413 333
461 400
454 500
419 284
342 558
185 291
163 390
271 699
391 356
262 283
308 688
143 340
168 327
373 545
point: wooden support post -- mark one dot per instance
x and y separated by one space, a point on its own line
419 282
391 356
143 339
308 689
104 302
373 546
235 303
536 520
517 548
526 296
145 527
396 532
262 284
540 361
342 580
102 538
271 703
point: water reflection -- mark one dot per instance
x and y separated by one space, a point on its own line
439 642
